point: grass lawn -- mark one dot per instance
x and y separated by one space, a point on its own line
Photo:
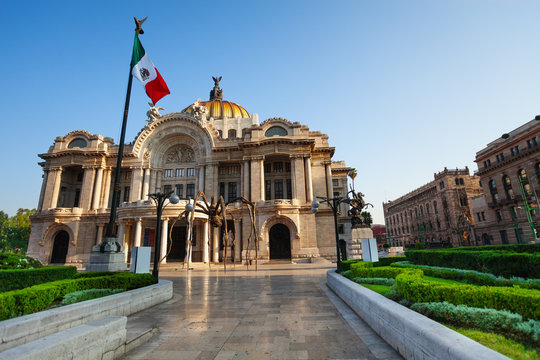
499 343
381 289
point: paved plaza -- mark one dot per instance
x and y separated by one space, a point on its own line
280 311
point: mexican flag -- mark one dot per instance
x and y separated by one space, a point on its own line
144 70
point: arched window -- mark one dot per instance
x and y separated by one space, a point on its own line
507 184
493 191
461 182
457 181
231 134
525 181
77 143
276 130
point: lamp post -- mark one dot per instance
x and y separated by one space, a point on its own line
334 205
189 243
159 199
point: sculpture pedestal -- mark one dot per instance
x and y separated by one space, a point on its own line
354 242
111 259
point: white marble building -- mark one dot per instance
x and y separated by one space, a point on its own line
278 164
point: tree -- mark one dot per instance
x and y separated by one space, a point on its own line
366 218
15 230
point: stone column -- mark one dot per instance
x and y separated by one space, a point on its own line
42 192
138 232
126 235
215 245
205 241
121 233
299 177
164 237
212 180
159 176
200 185
87 187
54 178
106 188
309 180
99 236
97 188
257 178
136 184
146 184
328 173
244 176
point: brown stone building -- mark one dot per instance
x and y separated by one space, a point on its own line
436 214
509 171
215 146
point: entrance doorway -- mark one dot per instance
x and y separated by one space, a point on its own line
60 248
178 244
280 242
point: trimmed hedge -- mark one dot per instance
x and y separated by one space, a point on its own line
384 261
366 270
519 248
501 263
500 321
471 276
89 294
414 288
40 297
22 278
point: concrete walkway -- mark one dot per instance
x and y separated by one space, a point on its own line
280 311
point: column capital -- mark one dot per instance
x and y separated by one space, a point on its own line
296 156
307 156
91 166
327 162
253 157
54 168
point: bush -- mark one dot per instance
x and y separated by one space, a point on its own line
385 261
89 294
501 263
20 279
17 261
40 297
363 270
472 276
375 281
346 264
519 248
499 321
414 288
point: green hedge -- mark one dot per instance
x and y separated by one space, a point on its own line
519 248
384 261
501 263
500 321
83 295
40 297
17 261
364 270
22 278
414 288
471 276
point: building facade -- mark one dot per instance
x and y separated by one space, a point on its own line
436 214
509 171
223 150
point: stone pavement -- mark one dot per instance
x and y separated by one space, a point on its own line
280 311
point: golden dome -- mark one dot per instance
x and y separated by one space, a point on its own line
219 109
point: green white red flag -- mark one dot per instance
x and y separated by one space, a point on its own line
144 70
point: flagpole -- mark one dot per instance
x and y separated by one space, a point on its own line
110 231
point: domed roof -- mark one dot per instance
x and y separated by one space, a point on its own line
217 107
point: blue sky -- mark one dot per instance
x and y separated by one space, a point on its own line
402 88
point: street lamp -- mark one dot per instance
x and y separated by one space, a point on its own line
159 199
334 205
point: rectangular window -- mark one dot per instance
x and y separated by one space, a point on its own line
180 172
498 159
268 167
126 193
222 189
441 184
512 151
168 173
278 167
180 190
488 162
77 197
268 190
287 167
335 182
190 191
289 189
529 144
502 156
278 188
478 216
336 194
232 191
535 141
483 216
517 149
498 214
191 172
504 237
166 188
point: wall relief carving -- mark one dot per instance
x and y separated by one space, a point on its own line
180 154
